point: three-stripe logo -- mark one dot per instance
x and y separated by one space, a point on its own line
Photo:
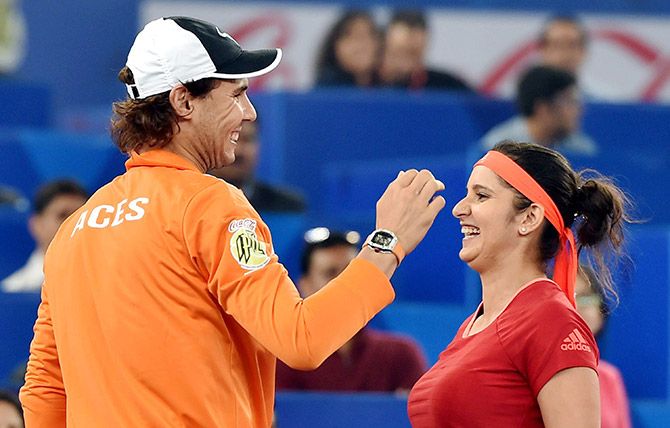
575 342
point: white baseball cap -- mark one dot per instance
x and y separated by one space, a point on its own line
176 50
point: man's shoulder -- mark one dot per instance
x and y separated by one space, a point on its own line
514 128
442 79
267 197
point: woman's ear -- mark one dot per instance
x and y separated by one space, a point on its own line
531 220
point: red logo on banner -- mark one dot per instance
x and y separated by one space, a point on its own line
639 49
280 28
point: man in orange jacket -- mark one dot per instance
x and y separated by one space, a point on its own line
164 304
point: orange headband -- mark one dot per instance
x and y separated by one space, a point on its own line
565 267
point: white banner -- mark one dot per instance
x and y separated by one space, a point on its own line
629 56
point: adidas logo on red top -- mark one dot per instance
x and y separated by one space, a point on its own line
575 342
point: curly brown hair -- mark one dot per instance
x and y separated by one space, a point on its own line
149 122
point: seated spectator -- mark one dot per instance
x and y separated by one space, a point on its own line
54 202
263 197
551 111
11 415
563 44
371 360
403 62
350 52
614 406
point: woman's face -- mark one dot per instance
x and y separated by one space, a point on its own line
357 47
489 220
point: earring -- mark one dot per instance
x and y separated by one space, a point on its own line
523 230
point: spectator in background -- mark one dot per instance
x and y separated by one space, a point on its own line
263 197
563 44
54 202
350 53
551 111
403 62
614 406
11 415
371 360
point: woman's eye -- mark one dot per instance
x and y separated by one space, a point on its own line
481 196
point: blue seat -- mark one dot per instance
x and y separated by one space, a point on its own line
637 337
433 273
31 157
30 104
18 312
432 325
287 231
650 413
16 240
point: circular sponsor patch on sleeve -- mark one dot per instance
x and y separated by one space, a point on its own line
247 250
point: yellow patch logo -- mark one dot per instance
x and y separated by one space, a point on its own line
247 250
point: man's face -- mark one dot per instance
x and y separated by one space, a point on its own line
217 120
43 226
325 265
563 47
9 416
246 157
566 109
404 51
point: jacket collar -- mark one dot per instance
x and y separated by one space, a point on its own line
159 157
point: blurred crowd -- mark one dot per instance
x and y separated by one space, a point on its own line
357 52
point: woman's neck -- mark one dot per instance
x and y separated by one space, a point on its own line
500 285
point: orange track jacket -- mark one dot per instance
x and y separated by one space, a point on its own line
164 305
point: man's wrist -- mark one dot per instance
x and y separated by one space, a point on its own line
385 241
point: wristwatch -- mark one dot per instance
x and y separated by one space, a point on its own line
385 241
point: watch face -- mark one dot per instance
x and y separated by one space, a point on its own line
382 238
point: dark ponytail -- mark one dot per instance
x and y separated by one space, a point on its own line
602 213
590 203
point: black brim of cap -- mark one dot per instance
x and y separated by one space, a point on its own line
250 64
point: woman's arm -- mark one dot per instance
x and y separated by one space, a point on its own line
571 398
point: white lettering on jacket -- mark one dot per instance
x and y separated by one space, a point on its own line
104 216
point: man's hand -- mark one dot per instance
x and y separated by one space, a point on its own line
409 206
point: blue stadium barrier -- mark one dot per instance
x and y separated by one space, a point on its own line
362 410
331 410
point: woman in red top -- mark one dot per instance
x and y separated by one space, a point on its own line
525 358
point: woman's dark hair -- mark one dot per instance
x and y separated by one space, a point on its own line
151 121
327 60
590 202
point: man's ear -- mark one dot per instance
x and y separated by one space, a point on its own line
531 220
181 101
